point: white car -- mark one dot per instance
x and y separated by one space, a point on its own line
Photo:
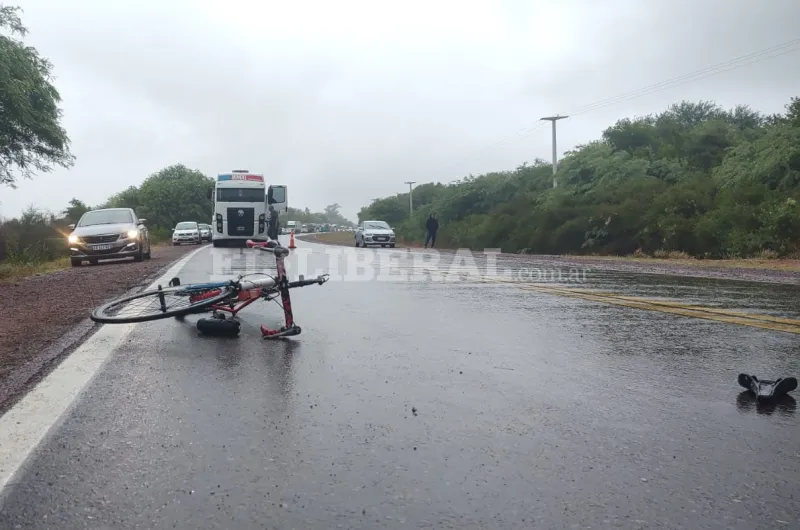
205 232
186 232
374 233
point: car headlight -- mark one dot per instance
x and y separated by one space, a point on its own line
133 234
72 239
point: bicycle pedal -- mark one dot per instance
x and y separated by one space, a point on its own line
278 333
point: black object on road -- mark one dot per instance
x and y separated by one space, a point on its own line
219 326
764 389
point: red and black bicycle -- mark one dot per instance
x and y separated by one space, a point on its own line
220 298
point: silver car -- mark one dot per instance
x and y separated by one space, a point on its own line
205 232
186 232
374 233
110 233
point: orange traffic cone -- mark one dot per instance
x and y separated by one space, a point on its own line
291 239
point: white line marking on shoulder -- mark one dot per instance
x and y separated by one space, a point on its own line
26 424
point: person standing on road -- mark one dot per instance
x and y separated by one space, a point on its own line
272 227
432 226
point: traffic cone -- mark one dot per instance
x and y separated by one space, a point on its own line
291 239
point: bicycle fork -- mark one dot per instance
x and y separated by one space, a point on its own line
289 328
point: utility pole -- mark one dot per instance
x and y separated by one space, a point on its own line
410 200
553 120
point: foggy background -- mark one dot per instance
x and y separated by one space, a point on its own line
344 101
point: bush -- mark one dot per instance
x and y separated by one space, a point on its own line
696 180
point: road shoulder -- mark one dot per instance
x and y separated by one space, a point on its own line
770 271
46 316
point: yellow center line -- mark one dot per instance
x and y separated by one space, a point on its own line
770 322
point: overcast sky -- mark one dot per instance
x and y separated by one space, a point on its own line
345 100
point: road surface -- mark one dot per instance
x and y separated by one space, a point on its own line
425 404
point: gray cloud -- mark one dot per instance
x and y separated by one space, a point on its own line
344 101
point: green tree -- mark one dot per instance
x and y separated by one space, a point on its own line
31 136
175 194
695 179
75 210
330 215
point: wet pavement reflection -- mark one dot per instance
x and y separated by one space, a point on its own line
432 404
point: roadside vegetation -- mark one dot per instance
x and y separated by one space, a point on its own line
695 181
36 242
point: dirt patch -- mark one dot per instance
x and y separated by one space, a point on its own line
41 312
750 272
345 239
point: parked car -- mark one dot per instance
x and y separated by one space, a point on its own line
109 233
205 232
374 233
186 232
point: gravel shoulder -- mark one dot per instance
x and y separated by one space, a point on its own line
767 271
46 315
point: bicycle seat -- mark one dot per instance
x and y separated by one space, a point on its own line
764 389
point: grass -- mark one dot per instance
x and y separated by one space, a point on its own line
11 270
339 238
15 271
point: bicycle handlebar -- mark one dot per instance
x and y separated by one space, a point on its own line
281 252
322 278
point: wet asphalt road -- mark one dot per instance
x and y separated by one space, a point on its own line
431 405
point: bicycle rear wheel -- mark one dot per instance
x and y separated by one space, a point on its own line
159 303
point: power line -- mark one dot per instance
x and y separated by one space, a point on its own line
719 68
733 64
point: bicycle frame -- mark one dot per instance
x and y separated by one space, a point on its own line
244 297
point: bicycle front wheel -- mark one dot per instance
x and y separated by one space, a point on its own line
159 303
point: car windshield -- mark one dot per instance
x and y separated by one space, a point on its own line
376 225
106 217
186 226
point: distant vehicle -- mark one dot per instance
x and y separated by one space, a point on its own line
241 207
374 233
291 225
205 232
110 233
186 232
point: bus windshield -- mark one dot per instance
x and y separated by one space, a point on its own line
240 195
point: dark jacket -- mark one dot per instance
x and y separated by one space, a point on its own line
432 224
272 227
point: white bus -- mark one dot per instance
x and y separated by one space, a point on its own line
241 201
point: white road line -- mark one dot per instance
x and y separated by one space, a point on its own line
26 424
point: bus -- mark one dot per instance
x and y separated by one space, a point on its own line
241 200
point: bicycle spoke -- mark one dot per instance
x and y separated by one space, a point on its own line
160 303
150 305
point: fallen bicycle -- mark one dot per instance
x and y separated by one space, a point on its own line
219 298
